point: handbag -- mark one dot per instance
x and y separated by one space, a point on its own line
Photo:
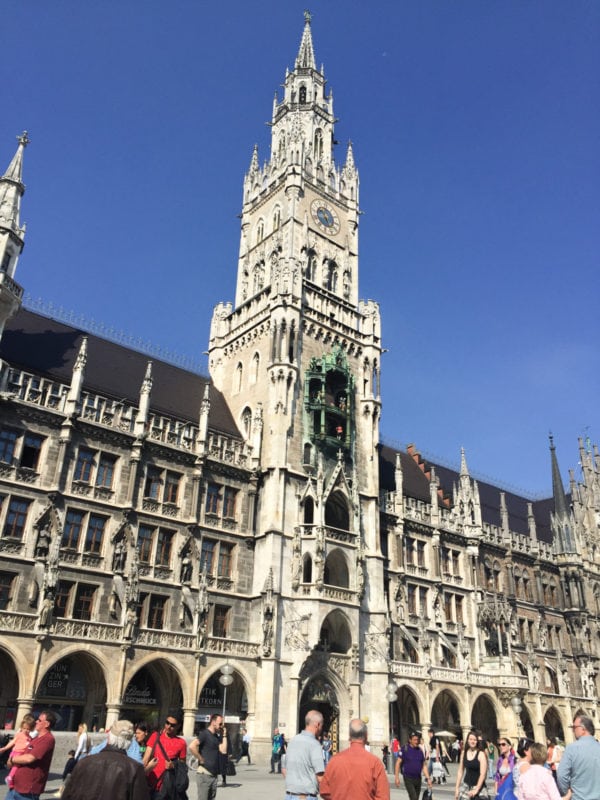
230 769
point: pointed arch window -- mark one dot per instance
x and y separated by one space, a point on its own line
311 266
307 455
281 150
302 94
246 422
258 277
255 368
309 511
307 569
260 231
239 374
318 144
276 219
336 512
6 261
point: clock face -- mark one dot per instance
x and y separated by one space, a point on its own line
325 217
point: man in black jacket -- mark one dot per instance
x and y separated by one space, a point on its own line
110 773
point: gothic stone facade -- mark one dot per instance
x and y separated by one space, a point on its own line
156 525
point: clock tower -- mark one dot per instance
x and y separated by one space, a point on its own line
298 357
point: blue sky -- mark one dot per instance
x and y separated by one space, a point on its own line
476 131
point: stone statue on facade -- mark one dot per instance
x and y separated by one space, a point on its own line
130 623
47 611
42 547
119 556
186 569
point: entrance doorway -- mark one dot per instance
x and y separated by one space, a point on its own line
319 695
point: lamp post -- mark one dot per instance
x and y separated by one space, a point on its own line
225 679
517 707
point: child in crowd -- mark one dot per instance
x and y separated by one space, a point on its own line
19 744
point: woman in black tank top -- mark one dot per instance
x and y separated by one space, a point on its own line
472 770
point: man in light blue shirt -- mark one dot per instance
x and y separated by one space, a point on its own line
304 760
579 767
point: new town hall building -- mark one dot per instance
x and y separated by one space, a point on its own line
157 525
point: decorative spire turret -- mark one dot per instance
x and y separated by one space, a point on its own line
12 234
306 54
141 420
561 520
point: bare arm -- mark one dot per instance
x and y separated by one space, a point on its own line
459 774
397 771
223 743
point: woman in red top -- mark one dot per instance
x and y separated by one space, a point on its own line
174 747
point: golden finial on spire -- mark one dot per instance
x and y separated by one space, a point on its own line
23 139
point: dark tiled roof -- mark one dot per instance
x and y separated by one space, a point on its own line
47 347
416 484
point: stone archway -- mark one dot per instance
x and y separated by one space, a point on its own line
335 635
152 691
9 691
553 724
75 689
445 714
526 722
405 714
319 694
483 718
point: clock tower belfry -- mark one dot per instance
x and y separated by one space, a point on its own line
297 357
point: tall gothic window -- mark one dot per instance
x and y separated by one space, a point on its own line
318 144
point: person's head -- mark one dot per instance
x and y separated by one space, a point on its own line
472 741
537 753
71 753
45 722
313 722
276 732
583 726
504 747
357 731
431 732
82 728
120 734
173 721
141 732
413 738
28 722
523 746
215 723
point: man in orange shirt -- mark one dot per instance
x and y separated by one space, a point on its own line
355 774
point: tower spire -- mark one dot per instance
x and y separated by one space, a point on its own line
561 519
558 489
12 234
306 54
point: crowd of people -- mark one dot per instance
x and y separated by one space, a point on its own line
134 763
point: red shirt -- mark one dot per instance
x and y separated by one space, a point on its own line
175 747
355 774
31 778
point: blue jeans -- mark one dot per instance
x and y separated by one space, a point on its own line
14 795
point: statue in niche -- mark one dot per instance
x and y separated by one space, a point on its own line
400 600
130 623
113 603
267 631
119 556
43 544
186 569
47 611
